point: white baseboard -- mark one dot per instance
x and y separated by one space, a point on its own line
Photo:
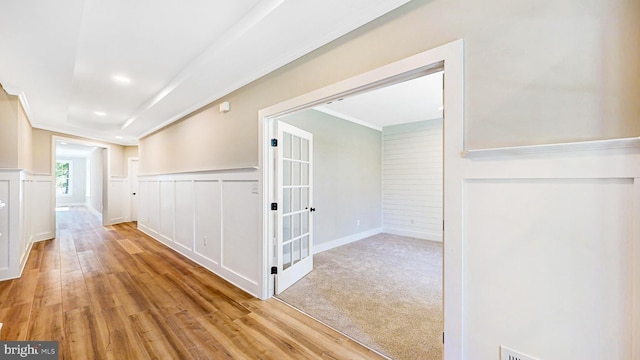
59 204
344 240
245 284
43 236
95 212
414 234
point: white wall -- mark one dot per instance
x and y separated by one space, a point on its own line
187 211
78 182
94 200
412 179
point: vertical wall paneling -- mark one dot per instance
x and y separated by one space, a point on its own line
116 197
184 209
143 199
212 218
563 242
550 238
167 210
635 260
208 220
41 208
153 197
4 225
240 229
412 179
27 217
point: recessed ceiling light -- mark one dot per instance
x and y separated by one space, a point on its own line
122 79
119 137
100 113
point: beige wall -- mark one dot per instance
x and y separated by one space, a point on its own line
129 152
534 73
25 156
41 142
42 159
8 130
15 134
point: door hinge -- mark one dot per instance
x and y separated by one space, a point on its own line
274 270
274 206
443 337
274 142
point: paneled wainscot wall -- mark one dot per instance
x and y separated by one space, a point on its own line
212 218
551 251
25 217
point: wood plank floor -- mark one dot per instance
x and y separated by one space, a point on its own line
115 293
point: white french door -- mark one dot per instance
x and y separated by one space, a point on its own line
294 250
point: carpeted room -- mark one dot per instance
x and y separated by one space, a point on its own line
371 182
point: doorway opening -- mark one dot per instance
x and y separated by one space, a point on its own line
80 169
447 58
378 226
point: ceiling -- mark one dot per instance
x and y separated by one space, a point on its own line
409 101
118 70
73 150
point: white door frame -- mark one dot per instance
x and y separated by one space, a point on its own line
130 196
448 57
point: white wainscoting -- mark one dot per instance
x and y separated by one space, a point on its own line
212 218
117 195
41 206
28 216
551 251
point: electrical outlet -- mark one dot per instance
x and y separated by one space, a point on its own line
508 354
358 222
204 240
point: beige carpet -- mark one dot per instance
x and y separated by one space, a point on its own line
384 291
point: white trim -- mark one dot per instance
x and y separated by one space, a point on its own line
595 145
344 240
130 197
449 57
240 169
635 282
352 119
414 234
70 205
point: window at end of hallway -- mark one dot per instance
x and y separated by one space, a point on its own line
63 178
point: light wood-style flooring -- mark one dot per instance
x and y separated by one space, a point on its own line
115 293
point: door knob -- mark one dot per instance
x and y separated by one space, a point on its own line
312 209
134 193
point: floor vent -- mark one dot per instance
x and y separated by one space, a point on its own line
508 354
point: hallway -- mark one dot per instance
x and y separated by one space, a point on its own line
113 292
